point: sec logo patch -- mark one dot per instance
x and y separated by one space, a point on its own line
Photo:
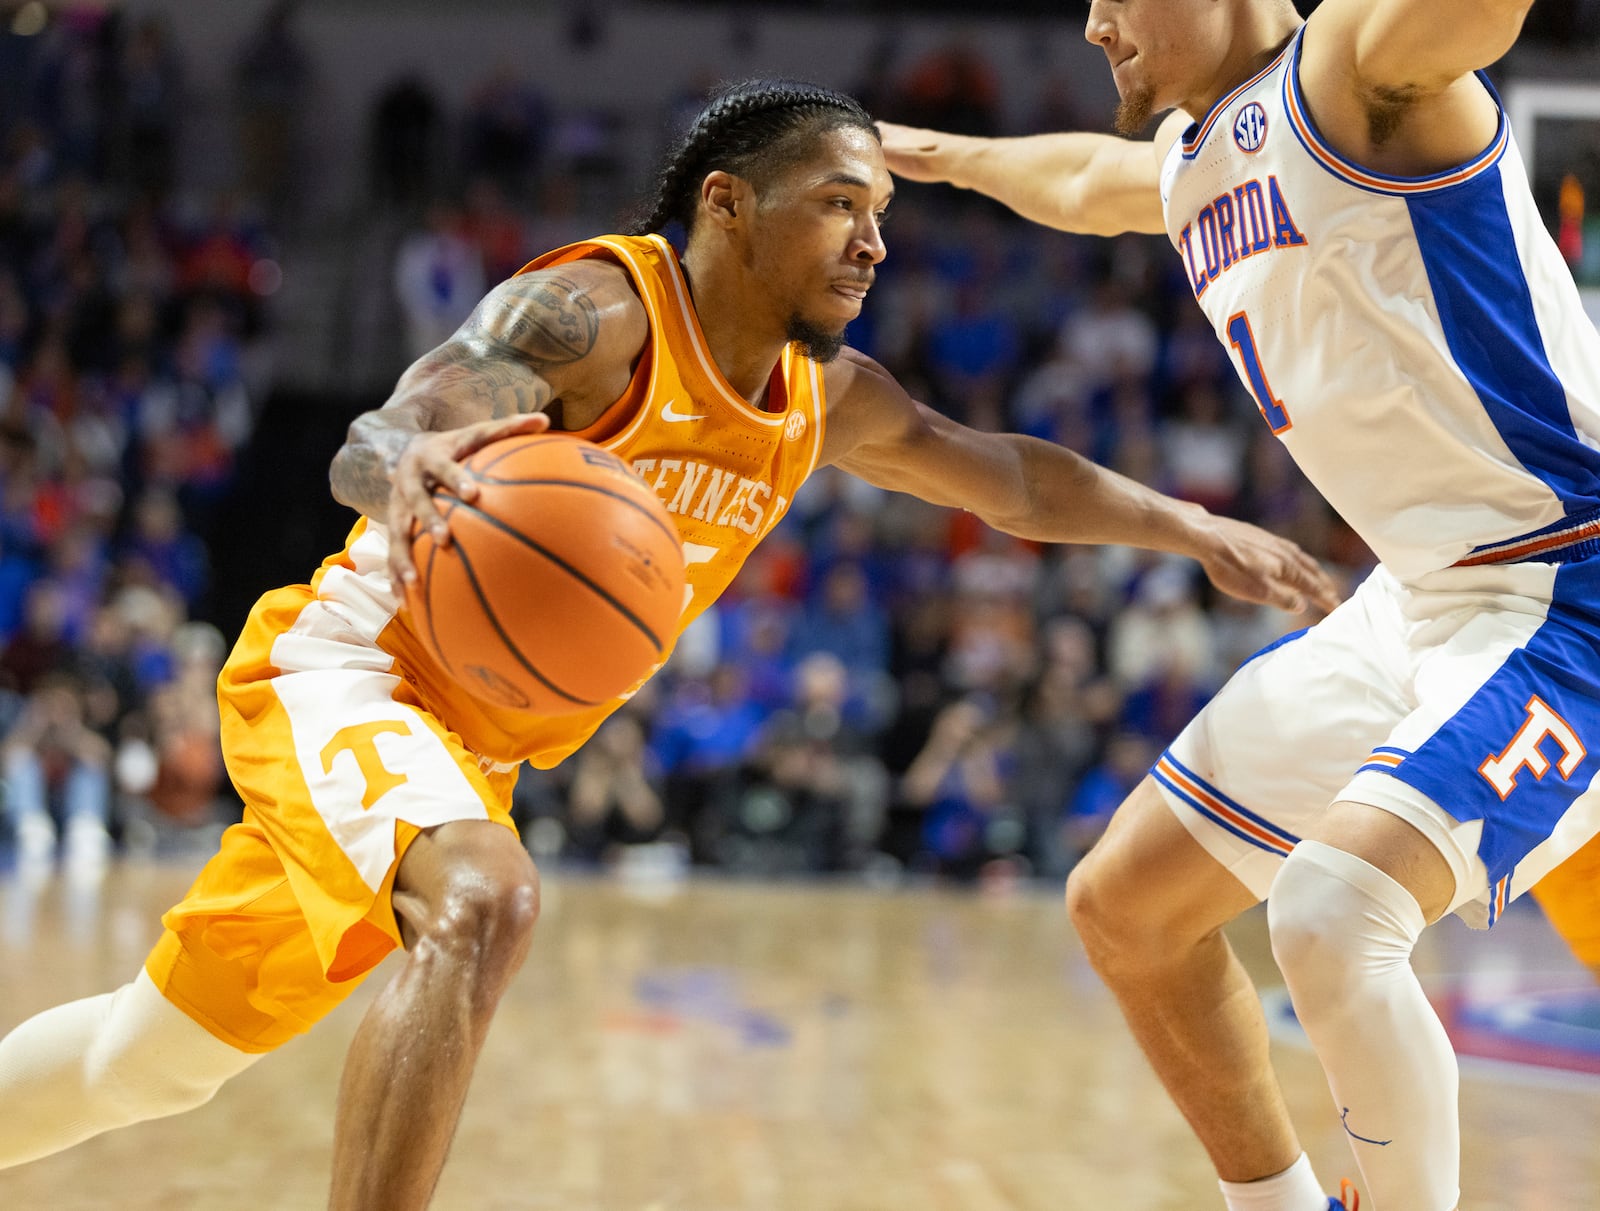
794 426
1250 128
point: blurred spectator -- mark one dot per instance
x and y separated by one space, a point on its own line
406 145
149 104
1128 759
840 762
613 799
104 664
845 622
438 278
1169 696
1204 451
57 767
953 88
503 132
1162 628
1110 338
707 726
189 782
960 781
272 78
40 647
491 226
160 553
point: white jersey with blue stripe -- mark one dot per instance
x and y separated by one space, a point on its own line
1417 343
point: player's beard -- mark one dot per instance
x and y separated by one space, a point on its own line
1134 110
816 342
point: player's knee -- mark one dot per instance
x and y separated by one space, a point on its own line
484 917
1310 920
147 1086
1109 920
149 1060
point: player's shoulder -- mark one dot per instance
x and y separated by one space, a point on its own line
1169 132
866 405
854 375
602 281
594 295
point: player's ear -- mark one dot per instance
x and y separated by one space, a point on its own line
723 197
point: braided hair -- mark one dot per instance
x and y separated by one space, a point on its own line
752 129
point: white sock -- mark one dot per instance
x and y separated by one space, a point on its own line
104 1062
1295 1189
1343 933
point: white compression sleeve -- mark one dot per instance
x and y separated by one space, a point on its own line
104 1062
1343 933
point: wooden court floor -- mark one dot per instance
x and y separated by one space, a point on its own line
734 1047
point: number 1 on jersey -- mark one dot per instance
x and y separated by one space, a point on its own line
1242 339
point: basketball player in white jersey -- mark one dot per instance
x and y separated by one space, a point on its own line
1356 224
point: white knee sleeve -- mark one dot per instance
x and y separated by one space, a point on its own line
108 1061
1343 932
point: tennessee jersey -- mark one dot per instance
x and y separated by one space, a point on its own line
1417 343
726 472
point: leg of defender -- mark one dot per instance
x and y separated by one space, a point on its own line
1344 922
1149 904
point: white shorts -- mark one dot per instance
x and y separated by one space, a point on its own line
1466 703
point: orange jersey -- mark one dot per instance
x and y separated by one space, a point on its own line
726 471
1570 897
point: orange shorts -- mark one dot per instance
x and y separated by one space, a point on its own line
340 766
1570 897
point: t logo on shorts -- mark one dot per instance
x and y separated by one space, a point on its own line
358 739
1501 769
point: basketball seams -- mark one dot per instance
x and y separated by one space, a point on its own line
499 629
622 497
513 448
430 614
570 569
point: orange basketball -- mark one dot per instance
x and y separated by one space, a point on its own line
562 582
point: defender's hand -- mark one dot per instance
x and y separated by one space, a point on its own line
912 152
430 462
1247 562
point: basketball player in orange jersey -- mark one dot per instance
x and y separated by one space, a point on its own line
1570 897
377 793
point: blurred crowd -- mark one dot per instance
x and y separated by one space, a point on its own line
134 355
890 687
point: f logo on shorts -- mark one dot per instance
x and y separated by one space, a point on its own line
1501 769
358 740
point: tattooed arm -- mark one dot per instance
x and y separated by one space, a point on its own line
568 335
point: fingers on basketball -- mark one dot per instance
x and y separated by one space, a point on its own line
563 581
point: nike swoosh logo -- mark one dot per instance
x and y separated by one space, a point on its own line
669 412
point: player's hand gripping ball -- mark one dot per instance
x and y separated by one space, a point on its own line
561 584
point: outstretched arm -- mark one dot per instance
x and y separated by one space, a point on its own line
1037 490
567 333
1095 184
